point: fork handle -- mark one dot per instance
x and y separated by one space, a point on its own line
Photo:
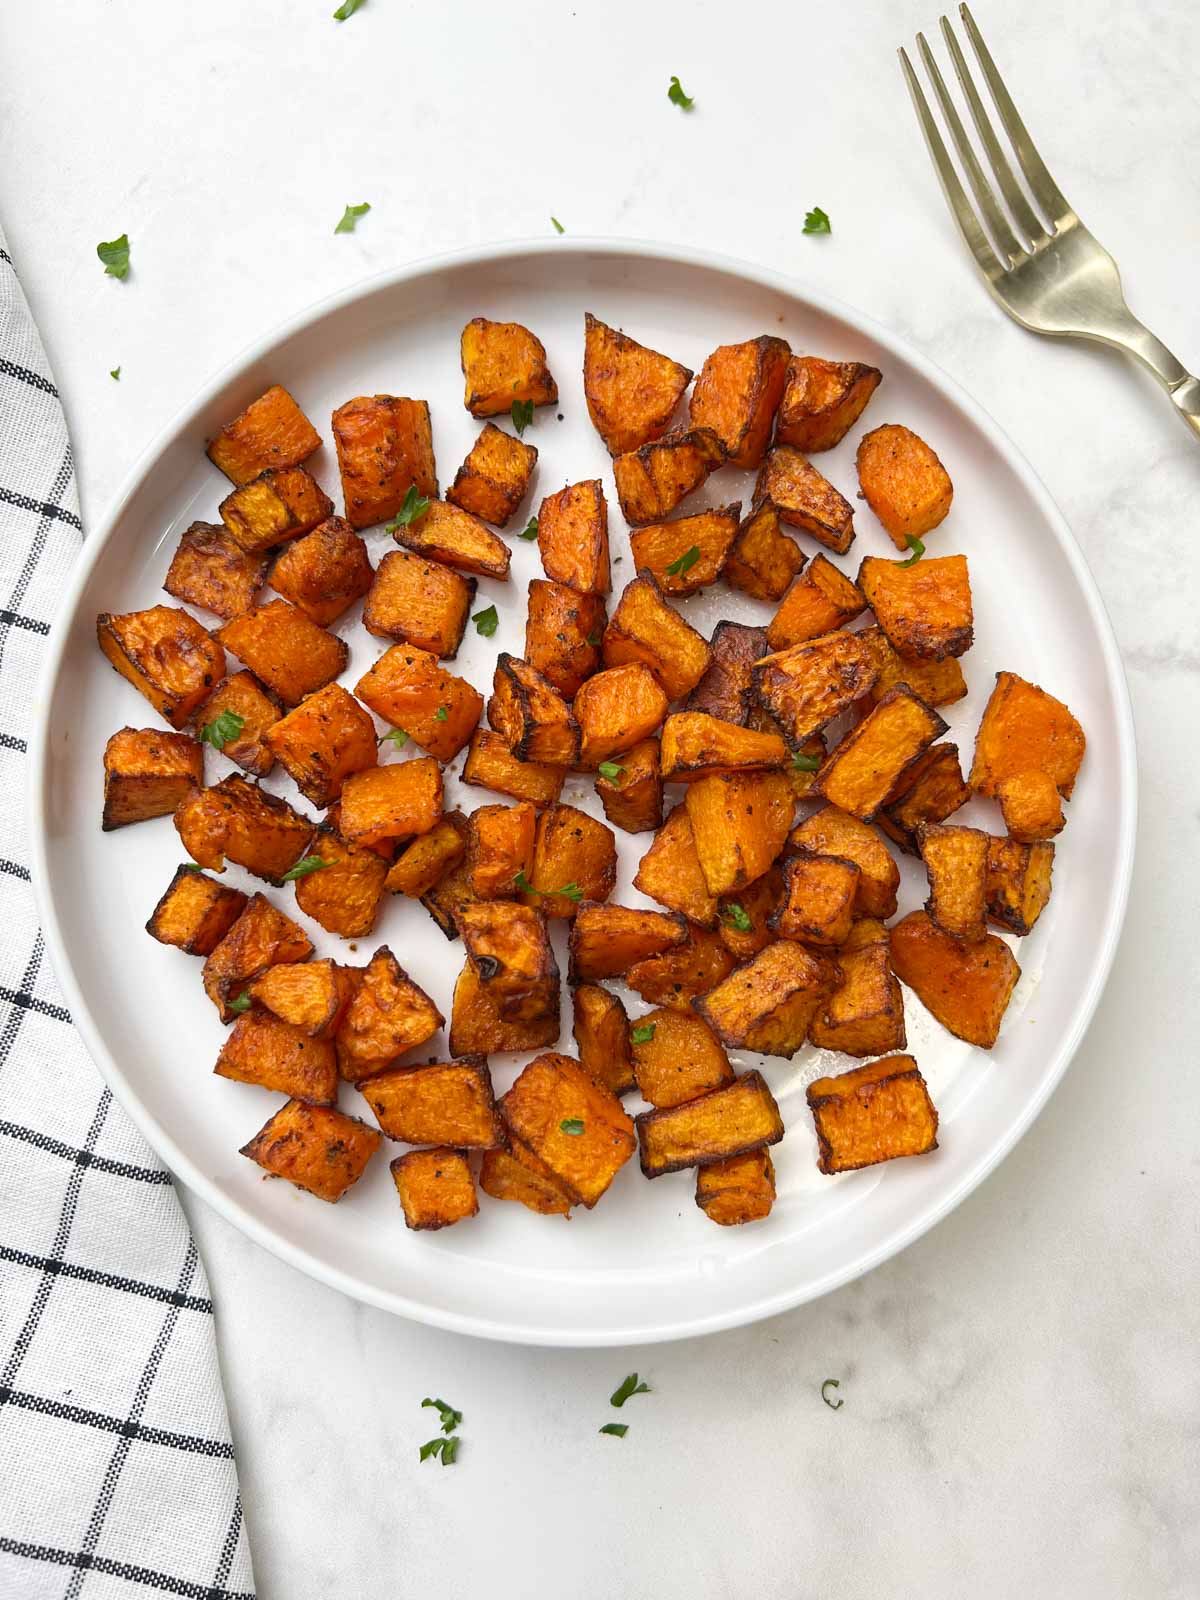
1186 398
1128 334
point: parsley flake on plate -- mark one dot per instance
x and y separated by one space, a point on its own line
223 727
616 1430
522 414
304 866
917 548
629 1386
115 256
572 1125
414 508
685 562
676 96
486 621
816 221
350 218
530 530
836 1404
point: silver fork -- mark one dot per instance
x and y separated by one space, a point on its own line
1039 261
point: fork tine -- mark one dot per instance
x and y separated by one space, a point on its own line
956 199
1002 235
1027 220
1045 191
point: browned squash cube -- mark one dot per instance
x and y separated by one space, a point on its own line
645 628
676 1057
500 849
388 1015
863 769
1018 883
436 1187
572 529
490 764
237 820
769 1003
870 1114
601 1032
321 742
281 504
864 1016
318 1148
393 802
679 976
737 394
344 895
730 1121
423 864
930 789
807 685
956 861
503 362
285 649
967 987
1024 729
939 683
805 499
166 655
832 832
454 537
819 894
574 859
653 480
696 746
630 789
925 610
530 715
384 449
573 1125
271 432
449 1102
740 1189
261 937
419 602
563 634
512 1175
212 571
763 559
325 572
903 482
256 710
745 915
262 1050
631 391
726 690
148 773
670 872
476 1026
820 601
822 401
739 821
310 996
1031 806
195 913
510 950
494 479
448 895
605 941
438 710
688 554
616 710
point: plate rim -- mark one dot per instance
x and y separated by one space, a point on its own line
259 1231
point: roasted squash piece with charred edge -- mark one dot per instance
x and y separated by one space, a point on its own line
148 773
632 796
384 449
677 1058
1024 729
670 872
737 395
631 391
261 937
821 600
864 1016
166 655
494 478
425 862
388 1015
805 686
601 1033
436 1187
271 432
726 690
322 741
237 820
819 894
285 649
925 610
410 689
563 634
572 852
195 912
805 498
688 554
263 1050
419 602
500 849
967 987
903 482
695 745
447 1102
861 772
822 401
280 504
606 940
870 1114
454 537
740 821
490 764
768 1003
930 789
956 861
318 1148
616 710
344 895
572 1124
324 572
503 362
763 559
737 1190
392 802
515 1174
652 480
258 709
212 571
1018 883
677 977
835 833
726 1122
476 1026
530 715
645 628
572 533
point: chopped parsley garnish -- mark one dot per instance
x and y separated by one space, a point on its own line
396 736
594 640
304 866
115 256
569 891
686 561
803 763
530 530
734 916
191 866
449 1416
610 771
836 1404
917 548
116 373
223 727
815 221
346 9
440 714
414 508
350 218
572 891
242 1003
618 1430
642 1036
447 1449
522 414
558 227
572 1125
630 1386
486 621
677 97
523 883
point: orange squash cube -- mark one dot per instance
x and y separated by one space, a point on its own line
805 686
436 1187
819 893
490 764
769 1003
449 1102
677 977
212 571
617 709
324 572
572 530
148 773
740 821
831 832
530 715
476 1026
261 938
956 861
606 940
696 746
738 1190
644 628
318 1148
939 683
688 554
1031 806
1018 883
257 711
924 610
572 1124
822 401
863 769
739 1117
166 655
512 1175
632 391
805 499
510 950
820 601
322 741
195 912
574 852
967 987
408 688
271 432
426 861
454 537
763 559
630 789
875 1113
652 480
384 449
285 649
419 602
344 895
281 504
503 362
563 634
392 802
310 996
670 872
237 820
676 1058
864 1016
500 849
737 394
494 479
261 1049
388 1015
1024 729
903 482
930 789
601 1032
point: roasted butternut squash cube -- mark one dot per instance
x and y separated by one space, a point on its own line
324 572
924 610
563 634
768 1003
601 1032
148 773
821 600
726 690
510 950
450 1102
318 1148
763 559
1031 806
212 571
426 861
500 849
644 628
310 996
344 895
903 482
322 741
166 655
670 872
239 821
744 917
530 715
454 537
805 686
630 789
676 1057
939 683
822 400
572 527
737 394
257 711
393 802
494 479
652 480
285 649
195 912
1018 882
617 709
503 362
1024 729
262 937
696 746
574 859
281 504
870 1114
739 821
819 894
436 1187
738 1190
832 832
956 861
451 891
384 449
679 976
605 941
864 1016
261 1049
805 499
631 391
476 1026
862 771
388 1015
688 554
967 987
490 764
511 1175
930 789
419 602
438 710
574 1126
739 1117
271 432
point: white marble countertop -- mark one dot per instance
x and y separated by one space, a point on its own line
1021 1399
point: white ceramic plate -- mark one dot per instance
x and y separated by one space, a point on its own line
646 1264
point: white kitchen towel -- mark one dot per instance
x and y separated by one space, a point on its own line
117 1475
